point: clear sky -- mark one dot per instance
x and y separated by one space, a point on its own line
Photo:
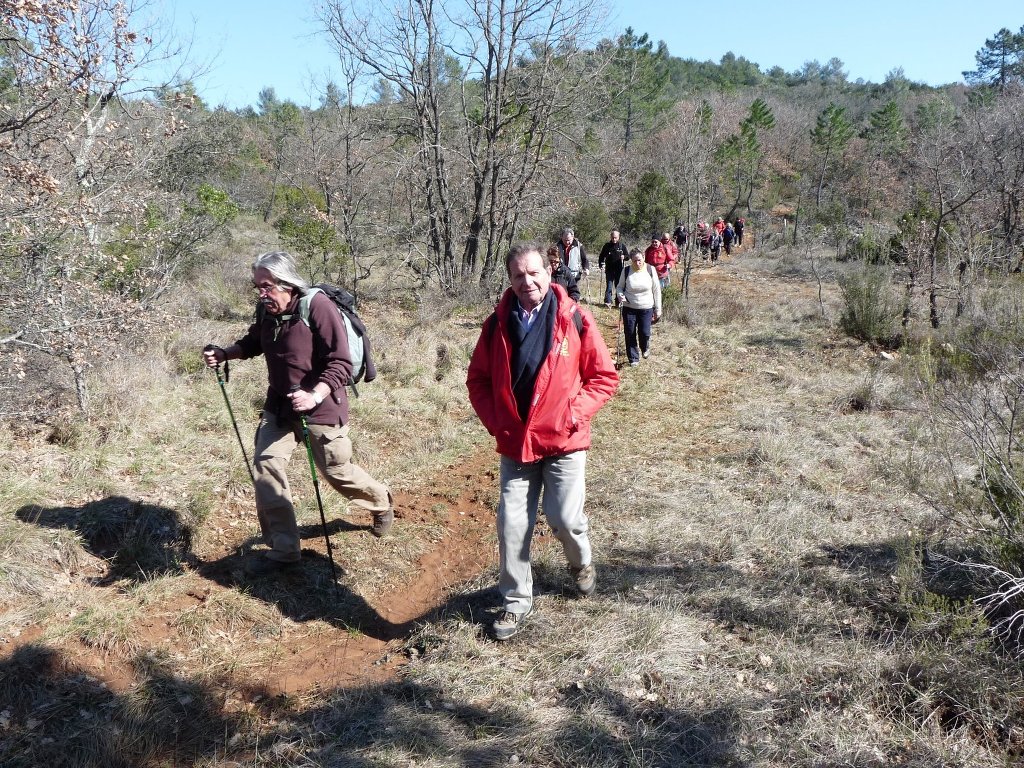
256 43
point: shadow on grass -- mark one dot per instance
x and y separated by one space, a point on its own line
770 597
141 541
55 714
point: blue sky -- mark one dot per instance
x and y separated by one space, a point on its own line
258 43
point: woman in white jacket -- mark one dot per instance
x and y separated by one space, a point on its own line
639 293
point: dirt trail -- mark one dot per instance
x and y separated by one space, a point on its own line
336 656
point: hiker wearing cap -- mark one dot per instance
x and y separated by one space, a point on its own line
560 274
657 257
573 254
308 366
640 297
538 375
613 258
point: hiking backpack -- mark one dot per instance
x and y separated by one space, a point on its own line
360 350
359 346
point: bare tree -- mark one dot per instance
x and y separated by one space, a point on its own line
78 150
486 85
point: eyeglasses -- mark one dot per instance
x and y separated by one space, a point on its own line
265 288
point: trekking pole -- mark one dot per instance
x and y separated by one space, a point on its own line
222 380
618 340
319 499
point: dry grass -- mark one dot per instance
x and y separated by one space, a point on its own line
759 600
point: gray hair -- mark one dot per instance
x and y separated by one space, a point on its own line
568 231
281 267
519 250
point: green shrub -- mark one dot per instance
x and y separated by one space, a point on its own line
869 310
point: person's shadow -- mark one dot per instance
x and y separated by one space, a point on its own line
140 541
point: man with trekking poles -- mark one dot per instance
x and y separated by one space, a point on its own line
309 364
539 373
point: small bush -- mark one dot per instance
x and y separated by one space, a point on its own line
869 311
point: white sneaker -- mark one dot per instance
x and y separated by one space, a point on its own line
646 353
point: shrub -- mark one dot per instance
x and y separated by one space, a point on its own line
869 310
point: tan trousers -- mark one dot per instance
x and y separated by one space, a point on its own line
276 439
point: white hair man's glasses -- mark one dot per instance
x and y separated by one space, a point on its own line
266 288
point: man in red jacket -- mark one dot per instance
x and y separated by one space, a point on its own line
538 375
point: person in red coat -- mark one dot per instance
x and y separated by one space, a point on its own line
658 257
538 375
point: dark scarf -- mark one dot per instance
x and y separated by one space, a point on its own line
529 348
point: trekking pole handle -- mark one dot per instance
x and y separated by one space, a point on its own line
213 349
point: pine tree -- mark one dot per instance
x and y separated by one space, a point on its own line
830 135
1000 61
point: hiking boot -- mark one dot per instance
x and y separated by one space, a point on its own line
509 624
586 579
382 522
261 565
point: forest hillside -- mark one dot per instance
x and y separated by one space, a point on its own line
807 505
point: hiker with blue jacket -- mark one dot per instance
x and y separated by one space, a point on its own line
309 365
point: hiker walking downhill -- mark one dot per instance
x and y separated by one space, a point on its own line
539 373
613 258
740 225
308 366
640 296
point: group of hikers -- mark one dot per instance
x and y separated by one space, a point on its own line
539 373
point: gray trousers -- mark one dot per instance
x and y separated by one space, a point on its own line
276 439
562 479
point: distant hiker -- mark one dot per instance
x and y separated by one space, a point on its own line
613 258
728 234
573 254
640 296
538 375
657 257
680 235
308 367
719 225
739 231
704 238
560 274
714 245
673 256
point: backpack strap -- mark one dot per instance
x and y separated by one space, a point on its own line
304 302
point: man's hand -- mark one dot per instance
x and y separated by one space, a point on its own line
303 401
213 355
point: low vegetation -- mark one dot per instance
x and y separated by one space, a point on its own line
794 552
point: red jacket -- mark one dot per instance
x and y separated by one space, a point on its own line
657 257
671 251
573 382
